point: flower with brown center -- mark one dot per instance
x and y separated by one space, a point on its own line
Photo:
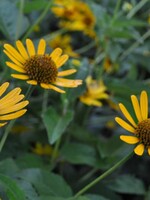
38 67
11 105
141 129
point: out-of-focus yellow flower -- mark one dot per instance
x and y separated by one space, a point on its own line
76 62
11 105
64 42
75 16
42 149
140 128
38 68
96 91
127 6
109 66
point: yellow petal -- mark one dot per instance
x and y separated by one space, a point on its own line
67 82
125 125
15 67
67 72
49 86
13 93
136 107
89 101
3 124
61 60
14 53
139 150
32 82
129 139
14 108
41 47
20 76
55 54
127 115
3 88
12 58
144 105
13 115
30 47
22 50
148 151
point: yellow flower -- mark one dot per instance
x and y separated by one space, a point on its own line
64 42
38 68
95 92
139 129
42 149
11 105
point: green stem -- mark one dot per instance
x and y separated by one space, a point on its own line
105 174
136 8
38 20
19 23
11 123
45 101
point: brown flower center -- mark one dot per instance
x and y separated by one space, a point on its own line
41 68
143 132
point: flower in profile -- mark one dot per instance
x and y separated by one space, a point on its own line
140 128
38 68
96 90
11 105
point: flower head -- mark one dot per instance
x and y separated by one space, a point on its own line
139 129
11 105
38 67
95 91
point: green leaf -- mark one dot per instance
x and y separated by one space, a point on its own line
12 189
59 198
5 167
34 5
46 183
56 123
127 184
96 197
9 22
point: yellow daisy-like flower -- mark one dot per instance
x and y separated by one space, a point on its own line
38 68
139 129
11 105
95 92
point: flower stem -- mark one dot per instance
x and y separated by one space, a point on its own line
105 174
20 17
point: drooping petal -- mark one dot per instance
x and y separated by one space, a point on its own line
30 47
67 82
49 86
56 54
67 72
12 58
61 60
22 50
3 124
129 139
126 114
14 53
20 76
13 115
15 67
89 101
136 107
144 105
139 150
3 88
32 82
41 47
125 125
13 93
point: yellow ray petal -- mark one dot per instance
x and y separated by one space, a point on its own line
55 54
67 72
13 93
126 114
30 47
32 82
14 53
11 102
125 125
15 67
22 50
90 101
61 60
14 108
3 88
49 86
129 139
136 107
139 150
144 105
13 115
3 124
67 82
148 151
20 76
12 58
41 47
